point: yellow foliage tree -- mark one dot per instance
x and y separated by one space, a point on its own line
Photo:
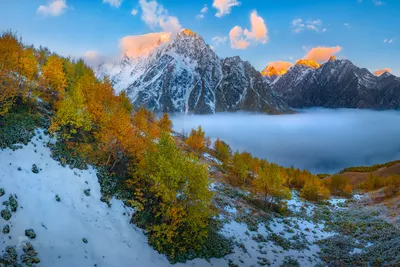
197 140
53 80
18 68
314 190
181 186
72 116
270 183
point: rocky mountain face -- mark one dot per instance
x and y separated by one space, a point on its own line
337 84
185 75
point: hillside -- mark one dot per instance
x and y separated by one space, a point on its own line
88 180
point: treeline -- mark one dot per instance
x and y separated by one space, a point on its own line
168 189
370 168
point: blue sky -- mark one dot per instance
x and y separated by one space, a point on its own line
358 28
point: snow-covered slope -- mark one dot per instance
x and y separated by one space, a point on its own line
61 226
336 84
185 75
80 230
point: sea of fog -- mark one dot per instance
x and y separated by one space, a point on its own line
319 140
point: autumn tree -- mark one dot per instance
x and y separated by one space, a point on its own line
197 140
392 184
314 189
240 171
18 68
72 115
270 183
339 185
53 80
165 123
180 187
222 151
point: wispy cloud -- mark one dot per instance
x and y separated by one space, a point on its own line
54 8
114 3
241 39
203 11
157 17
388 41
134 12
299 25
224 6
218 40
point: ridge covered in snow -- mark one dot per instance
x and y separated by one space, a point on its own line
337 84
185 75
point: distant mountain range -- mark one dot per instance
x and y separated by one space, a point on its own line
336 84
185 75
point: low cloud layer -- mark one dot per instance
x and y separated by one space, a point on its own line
320 140
241 39
382 71
142 45
54 8
322 54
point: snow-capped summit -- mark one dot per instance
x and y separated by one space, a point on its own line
185 75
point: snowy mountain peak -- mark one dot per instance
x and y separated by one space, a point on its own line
308 63
185 75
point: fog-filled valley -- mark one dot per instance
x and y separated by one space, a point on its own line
319 140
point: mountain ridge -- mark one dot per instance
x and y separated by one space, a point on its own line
184 75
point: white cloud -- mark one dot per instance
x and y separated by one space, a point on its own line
157 17
114 3
241 39
224 6
388 41
298 25
203 11
134 12
141 45
54 8
218 40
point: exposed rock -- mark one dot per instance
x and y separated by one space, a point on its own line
2 192
35 169
87 192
